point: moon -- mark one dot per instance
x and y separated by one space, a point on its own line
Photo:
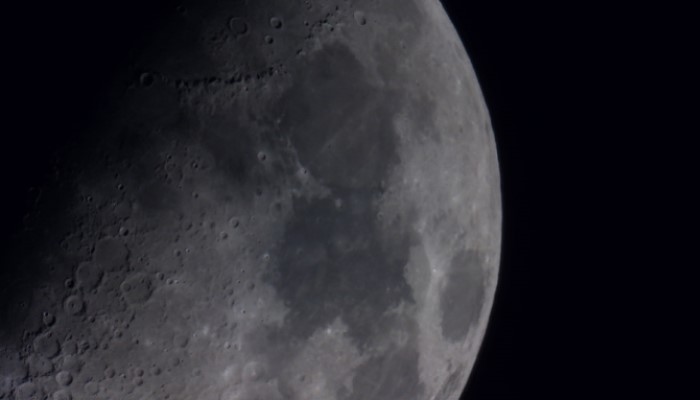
281 200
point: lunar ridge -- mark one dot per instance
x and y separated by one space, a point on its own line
283 200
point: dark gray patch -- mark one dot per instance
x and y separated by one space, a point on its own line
155 196
393 375
110 254
463 297
340 125
233 148
88 275
333 263
137 288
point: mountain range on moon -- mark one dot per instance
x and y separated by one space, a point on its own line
280 200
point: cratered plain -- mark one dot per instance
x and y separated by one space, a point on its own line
284 200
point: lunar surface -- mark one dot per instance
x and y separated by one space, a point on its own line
285 199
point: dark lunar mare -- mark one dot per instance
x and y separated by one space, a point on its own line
333 263
339 123
334 260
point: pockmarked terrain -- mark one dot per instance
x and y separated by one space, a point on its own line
284 200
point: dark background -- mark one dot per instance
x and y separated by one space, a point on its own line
584 99
587 101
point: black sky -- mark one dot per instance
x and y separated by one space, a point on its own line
585 99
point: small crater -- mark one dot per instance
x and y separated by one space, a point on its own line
155 370
253 371
146 79
238 26
360 18
86 344
74 305
276 22
64 378
61 394
234 222
48 318
269 39
181 340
